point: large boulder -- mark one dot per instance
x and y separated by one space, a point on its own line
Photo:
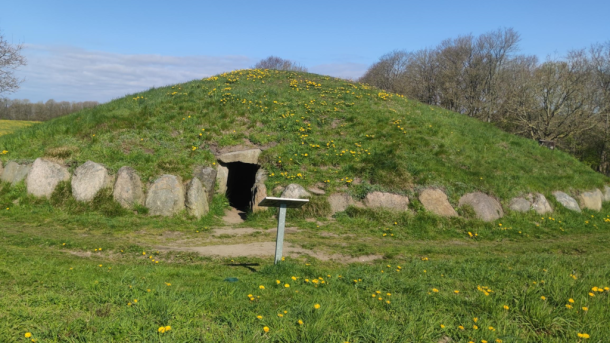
128 188
486 208
339 202
14 172
294 191
207 176
540 204
196 199
244 156
606 196
88 180
222 176
44 177
386 200
259 190
591 200
165 196
435 201
520 204
567 201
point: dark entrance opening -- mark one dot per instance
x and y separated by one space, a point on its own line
239 184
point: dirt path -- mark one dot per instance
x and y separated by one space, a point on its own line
233 216
264 249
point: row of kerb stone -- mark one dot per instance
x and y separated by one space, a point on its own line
166 196
434 200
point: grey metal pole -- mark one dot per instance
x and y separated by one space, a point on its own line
279 242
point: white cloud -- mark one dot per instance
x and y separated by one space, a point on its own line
66 73
345 70
74 74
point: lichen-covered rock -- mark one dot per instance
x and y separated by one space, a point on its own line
606 192
128 188
520 204
244 156
486 208
386 200
44 177
196 199
207 176
88 180
294 191
339 202
165 196
316 190
222 177
540 204
567 201
435 201
14 172
259 190
591 200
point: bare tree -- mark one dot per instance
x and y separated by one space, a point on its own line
389 72
16 109
277 63
561 102
10 59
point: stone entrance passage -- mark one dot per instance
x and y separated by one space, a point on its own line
240 182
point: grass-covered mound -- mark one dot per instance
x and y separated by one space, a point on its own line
315 128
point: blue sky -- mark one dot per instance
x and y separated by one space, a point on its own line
100 50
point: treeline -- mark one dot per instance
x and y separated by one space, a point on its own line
563 100
25 110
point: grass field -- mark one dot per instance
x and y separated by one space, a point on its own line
73 275
8 126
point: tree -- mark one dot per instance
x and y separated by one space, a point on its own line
277 63
10 60
389 72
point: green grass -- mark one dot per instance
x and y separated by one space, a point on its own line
52 284
8 126
317 130
72 293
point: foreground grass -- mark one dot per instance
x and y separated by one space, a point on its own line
8 126
509 283
316 130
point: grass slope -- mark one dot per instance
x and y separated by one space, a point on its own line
316 128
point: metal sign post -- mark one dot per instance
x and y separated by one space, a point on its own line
283 204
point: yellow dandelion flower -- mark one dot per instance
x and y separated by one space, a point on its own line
28 334
316 306
266 329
